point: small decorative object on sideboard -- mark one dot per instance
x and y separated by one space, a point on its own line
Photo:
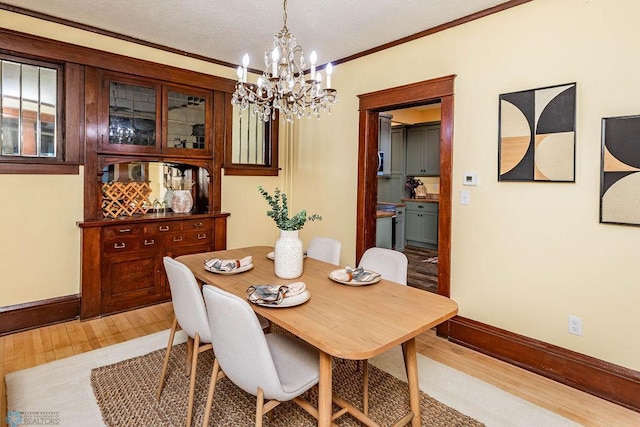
289 256
411 185
181 200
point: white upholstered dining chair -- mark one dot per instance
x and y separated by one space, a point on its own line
269 366
190 315
325 249
392 265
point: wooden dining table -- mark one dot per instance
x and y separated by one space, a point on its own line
348 322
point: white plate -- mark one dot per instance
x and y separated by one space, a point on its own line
333 277
234 271
272 255
290 301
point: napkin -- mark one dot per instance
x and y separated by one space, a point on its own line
227 264
274 294
356 274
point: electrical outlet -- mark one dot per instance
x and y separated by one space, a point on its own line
575 325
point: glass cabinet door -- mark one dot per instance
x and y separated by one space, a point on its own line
188 117
133 115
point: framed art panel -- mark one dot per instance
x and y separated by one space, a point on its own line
536 139
620 167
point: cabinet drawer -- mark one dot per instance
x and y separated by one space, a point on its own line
197 224
163 227
121 231
128 244
188 238
422 207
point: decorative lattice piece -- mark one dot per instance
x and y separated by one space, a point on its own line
125 198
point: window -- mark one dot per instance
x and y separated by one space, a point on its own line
254 145
29 103
32 105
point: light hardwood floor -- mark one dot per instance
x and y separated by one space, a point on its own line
30 348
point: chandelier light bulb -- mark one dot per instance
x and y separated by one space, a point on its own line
329 70
313 58
275 56
245 64
239 73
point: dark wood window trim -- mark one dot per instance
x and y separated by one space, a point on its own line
271 148
69 94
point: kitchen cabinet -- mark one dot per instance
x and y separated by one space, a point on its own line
384 144
400 235
421 224
423 150
384 232
391 186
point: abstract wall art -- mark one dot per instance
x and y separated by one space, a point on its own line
537 135
620 171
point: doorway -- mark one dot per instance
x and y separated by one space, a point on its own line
411 95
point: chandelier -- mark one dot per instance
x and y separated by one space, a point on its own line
282 86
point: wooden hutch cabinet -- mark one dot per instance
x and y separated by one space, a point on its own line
143 133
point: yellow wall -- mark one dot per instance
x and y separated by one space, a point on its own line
524 255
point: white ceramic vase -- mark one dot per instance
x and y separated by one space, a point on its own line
181 201
289 258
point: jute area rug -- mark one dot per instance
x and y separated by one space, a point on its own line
126 391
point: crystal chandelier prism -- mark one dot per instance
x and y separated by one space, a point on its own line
282 86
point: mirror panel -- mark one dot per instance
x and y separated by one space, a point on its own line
162 178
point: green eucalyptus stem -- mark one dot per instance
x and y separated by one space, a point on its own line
280 211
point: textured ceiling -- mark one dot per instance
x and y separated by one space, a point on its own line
225 29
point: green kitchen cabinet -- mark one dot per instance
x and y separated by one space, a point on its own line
423 150
421 224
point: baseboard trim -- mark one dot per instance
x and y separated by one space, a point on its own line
35 314
614 383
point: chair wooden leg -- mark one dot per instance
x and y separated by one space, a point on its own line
192 380
365 391
163 374
187 364
259 407
212 388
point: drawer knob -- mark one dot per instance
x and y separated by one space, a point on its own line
198 224
119 245
177 239
164 228
202 236
125 230
149 242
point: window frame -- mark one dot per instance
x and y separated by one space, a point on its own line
68 115
270 146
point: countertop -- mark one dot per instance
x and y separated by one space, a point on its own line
431 199
397 205
385 214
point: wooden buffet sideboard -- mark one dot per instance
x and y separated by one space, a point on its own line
122 259
144 131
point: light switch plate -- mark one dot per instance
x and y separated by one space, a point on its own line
470 178
465 197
